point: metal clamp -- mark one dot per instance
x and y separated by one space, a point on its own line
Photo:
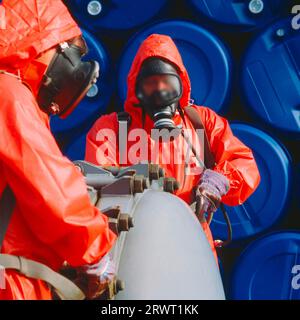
118 221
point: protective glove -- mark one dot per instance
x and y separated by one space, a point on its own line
94 279
212 187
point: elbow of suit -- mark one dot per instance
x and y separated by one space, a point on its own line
241 190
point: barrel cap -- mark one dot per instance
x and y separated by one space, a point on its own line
240 16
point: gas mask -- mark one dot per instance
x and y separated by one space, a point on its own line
159 89
67 80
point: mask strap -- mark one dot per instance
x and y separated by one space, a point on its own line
80 43
181 114
63 49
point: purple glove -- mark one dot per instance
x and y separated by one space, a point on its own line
94 279
212 187
104 269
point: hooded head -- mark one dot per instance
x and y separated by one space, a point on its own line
162 47
30 29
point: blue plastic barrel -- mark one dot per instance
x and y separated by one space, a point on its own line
270 77
269 203
76 149
115 15
206 58
240 15
269 269
96 100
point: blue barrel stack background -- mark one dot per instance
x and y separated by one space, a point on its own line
243 58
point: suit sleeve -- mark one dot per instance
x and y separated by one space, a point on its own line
233 158
50 191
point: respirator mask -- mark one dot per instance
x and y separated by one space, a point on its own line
67 80
159 88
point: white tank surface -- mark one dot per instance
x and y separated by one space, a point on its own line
166 254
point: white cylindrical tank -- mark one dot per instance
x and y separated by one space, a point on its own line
166 255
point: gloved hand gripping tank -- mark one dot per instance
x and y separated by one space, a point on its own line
166 254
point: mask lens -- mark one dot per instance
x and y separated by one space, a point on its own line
160 89
160 82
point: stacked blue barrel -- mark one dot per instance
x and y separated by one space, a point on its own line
243 59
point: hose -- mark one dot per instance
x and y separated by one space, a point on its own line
198 196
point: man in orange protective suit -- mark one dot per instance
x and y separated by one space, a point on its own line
53 220
158 96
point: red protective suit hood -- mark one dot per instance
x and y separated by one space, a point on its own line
160 46
30 27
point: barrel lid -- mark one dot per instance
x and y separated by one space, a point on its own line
205 57
117 14
241 15
268 269
269 202
270 76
